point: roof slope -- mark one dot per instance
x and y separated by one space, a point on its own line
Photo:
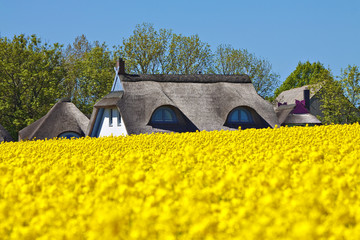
306 118
64 116
283 111
4 135
293 94
286 116
206 100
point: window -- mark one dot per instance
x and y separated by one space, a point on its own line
111 118
69 135
119 118
164 115
240 115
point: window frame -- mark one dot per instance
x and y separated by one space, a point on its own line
111 118
163 109
238 111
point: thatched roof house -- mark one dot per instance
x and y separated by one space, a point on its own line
298 94
5 135
63 120
298 106
180 103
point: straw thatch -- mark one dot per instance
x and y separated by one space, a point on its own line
5 135
64 116
286 116
301 119
201 102
290 96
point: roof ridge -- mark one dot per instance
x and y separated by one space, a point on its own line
186 78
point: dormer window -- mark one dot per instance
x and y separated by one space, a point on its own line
240 116
164 115
69 135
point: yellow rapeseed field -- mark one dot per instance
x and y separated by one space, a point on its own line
283 183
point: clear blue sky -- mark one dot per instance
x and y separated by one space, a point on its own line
282 31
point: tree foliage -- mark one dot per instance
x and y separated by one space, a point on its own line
148 51
239 61
188 55
350 79
89 72
305 74
30 76
335 106
144 49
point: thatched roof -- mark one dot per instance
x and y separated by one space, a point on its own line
306 118
5 135
64 116
283 111
190 78
204 101
286 116
109 100
289 96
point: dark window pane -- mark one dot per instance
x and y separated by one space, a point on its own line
240 115
244 116
164 115
234 116
167 115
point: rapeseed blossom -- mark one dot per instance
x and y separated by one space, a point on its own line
283 183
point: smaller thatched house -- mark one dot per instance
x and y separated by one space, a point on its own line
63 120
309 94
5 135
298 107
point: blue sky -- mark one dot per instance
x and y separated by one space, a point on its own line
283 32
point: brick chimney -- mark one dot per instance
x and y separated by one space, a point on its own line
121 64
307 98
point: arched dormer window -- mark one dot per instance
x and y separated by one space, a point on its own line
69 135
240 115
164 115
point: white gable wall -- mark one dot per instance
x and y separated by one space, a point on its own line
116 129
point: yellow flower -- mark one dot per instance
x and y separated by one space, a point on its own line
282 183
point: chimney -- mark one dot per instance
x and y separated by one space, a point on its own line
307 98
121 65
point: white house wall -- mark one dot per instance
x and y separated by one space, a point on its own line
117 129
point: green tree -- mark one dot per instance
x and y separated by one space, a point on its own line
74 54
305 74
350 79
148 51
30 76
228 60
89 72
335 106
145 49
188 55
